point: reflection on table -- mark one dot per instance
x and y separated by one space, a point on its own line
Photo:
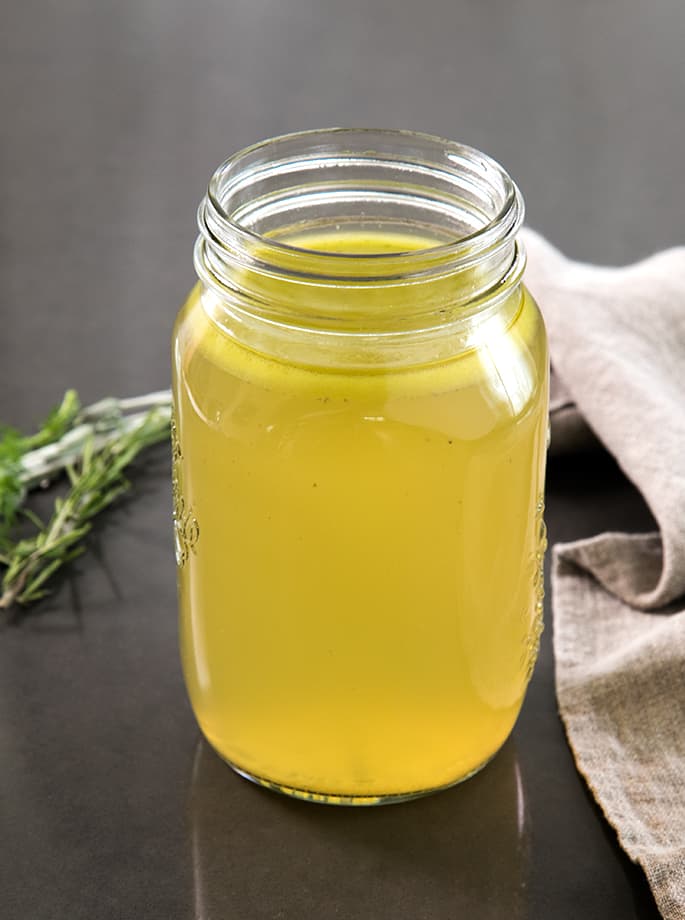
459 853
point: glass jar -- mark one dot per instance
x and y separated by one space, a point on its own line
361 388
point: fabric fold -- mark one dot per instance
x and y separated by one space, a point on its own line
617 340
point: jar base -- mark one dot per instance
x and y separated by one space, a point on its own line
326 798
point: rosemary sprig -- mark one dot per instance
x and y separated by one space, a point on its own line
93 446
14 448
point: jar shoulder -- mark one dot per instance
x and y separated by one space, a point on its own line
506 370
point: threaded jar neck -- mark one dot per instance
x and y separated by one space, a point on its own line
268 206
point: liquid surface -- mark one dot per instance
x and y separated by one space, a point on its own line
359 555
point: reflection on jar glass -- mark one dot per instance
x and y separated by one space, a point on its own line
360 385
461 854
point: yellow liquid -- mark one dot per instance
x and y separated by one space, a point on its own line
360 584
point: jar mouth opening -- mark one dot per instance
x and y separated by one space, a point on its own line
459 200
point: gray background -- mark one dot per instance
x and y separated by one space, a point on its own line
113 115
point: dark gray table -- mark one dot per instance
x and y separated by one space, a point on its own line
113 116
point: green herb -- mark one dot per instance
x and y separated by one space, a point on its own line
93 446
14 447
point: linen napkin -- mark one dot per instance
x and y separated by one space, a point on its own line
617 341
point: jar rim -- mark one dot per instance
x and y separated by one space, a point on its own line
218 221
260 284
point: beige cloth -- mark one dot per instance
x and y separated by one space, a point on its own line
617 340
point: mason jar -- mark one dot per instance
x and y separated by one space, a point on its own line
361 395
